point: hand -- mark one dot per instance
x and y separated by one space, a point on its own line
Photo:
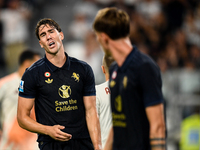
56 133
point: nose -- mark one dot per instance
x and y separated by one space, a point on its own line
48 36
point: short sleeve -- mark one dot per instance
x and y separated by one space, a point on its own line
150 81
27 87
89 83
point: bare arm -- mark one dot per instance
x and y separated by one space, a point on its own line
109 142
93 121
26 122
155 116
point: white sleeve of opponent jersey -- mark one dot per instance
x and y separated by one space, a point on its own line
98 103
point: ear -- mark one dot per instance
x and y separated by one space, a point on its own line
103 69
62 35
40 44
105 38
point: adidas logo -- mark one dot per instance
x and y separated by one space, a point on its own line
49 81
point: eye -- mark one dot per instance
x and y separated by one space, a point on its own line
42 35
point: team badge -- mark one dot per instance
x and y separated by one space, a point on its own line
75 76
21 86
118 103
114 74
47 74
64 91
125 81
49 81
112 83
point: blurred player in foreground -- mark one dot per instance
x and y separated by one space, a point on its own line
135 84
63 91
103 101
13 136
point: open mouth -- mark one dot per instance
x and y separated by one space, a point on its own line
51 44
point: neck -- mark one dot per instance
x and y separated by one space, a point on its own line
57 59
107 76
120 49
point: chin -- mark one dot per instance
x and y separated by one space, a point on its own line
52 52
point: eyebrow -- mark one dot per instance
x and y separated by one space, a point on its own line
47 31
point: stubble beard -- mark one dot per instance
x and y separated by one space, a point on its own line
106 51
53 53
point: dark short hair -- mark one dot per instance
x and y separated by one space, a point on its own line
112 21
46 21
27 54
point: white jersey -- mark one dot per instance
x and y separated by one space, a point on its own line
104 110
13 137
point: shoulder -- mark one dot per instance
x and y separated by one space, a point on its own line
101 86
37 65
141 60
80 65
147 68
100 89
146 59
34 70
78 62
149 64
8 78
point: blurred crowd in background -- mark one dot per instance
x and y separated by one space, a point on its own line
166 30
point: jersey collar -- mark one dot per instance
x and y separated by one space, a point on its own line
128 59
53 67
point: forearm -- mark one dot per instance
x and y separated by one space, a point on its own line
52 131
156 119
94 129
157 138
25 121
31 125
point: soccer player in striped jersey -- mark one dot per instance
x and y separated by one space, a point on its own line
135 84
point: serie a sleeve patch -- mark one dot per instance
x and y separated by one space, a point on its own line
21 86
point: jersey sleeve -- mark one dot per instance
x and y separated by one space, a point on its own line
151 84
89 83
27 87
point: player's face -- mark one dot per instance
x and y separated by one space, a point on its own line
50 39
